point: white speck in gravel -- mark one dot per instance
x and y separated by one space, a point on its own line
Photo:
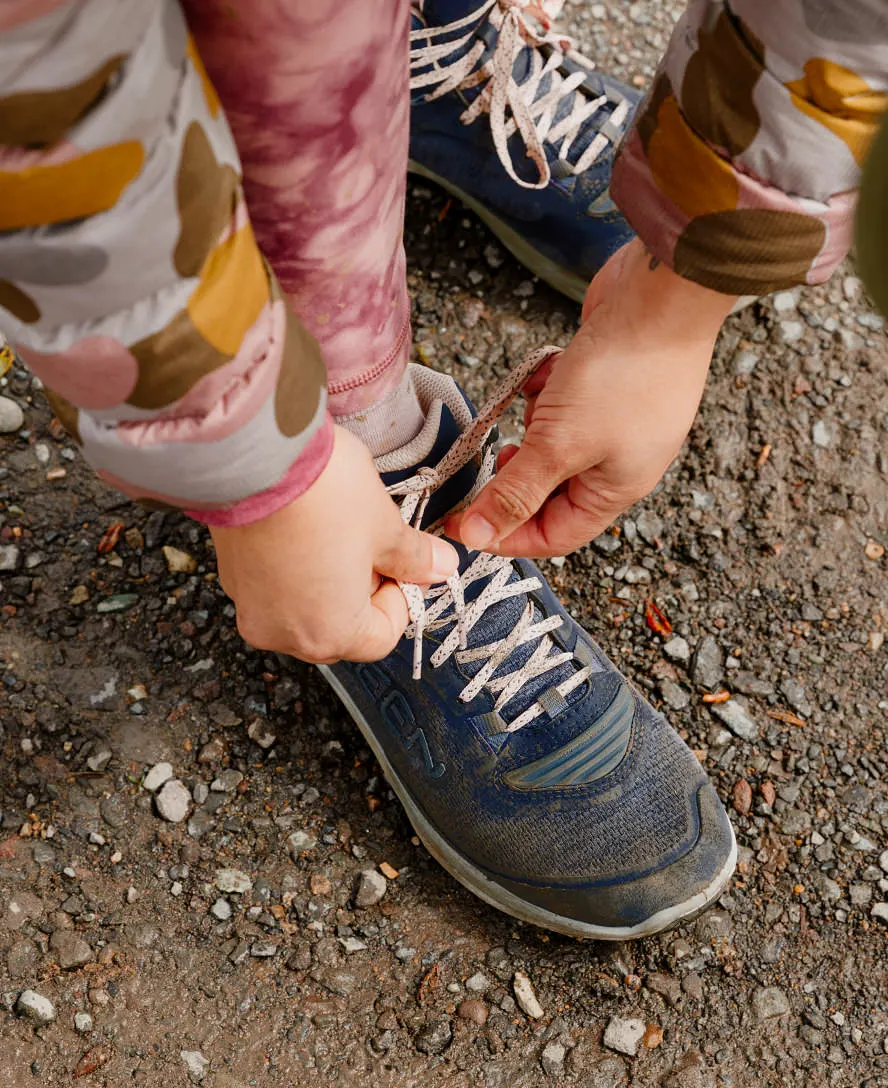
526 998
195 1063
624 1035
233 881
155 778
83 1022
35 1007
221 910
737 718
173 801
372 886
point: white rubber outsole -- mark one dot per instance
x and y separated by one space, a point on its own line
474 879
566 282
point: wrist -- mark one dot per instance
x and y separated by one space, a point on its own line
669 303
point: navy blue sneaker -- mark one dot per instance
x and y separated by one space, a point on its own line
509 118
530 768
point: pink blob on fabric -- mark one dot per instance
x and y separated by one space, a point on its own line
96 372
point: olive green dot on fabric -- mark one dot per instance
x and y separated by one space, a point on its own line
20 305
51 266
43 118
205 194
871 228
749 251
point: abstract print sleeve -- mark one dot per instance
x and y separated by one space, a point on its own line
130 278
742 167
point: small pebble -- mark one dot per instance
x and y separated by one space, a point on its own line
233 881
179 562
299 842
526 998
260 733
624 1036
372 886
195 1063
173 801
221 910
769 1002
473 1009
552 1059
11 416
35 1007
155 778
83 1022
227 781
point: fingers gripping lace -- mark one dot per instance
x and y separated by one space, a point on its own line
444 606
512 106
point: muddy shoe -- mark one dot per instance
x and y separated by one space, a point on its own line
508 117
530 767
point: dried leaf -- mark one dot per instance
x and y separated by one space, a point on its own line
110 538
720 696
92 1060
785 716
429 982
768 792
656 620
653 1036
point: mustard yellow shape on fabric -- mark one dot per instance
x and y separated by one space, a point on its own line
232 290
87 185
686 169
840 100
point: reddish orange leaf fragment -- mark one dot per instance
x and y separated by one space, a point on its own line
110 538
656 620
720 696
92 1060
785 716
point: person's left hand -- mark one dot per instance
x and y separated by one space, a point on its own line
604 419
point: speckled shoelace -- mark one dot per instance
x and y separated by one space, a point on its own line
521 107
443 606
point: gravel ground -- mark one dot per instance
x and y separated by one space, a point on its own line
203 877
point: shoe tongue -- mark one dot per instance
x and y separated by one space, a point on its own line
448 413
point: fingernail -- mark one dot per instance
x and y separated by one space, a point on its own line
445 561
476 531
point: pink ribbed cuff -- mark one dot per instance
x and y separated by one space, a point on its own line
297 479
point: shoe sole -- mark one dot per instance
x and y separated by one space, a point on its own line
471 877
568 283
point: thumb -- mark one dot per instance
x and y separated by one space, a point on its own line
512 497
409 555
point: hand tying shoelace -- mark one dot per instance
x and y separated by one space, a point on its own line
530 107
444 605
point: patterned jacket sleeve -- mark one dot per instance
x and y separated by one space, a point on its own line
130 279
741 170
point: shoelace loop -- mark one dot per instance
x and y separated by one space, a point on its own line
444 605
512 106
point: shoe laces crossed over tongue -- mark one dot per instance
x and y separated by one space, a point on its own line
524 668
522 85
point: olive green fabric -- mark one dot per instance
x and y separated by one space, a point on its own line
872 222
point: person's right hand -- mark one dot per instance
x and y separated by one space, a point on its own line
310 579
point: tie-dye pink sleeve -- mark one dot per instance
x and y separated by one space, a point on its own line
130 278
743 164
